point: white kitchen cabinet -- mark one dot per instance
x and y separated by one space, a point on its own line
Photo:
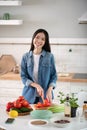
10 90
63 87
69 87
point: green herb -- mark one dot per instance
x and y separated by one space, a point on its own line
72 99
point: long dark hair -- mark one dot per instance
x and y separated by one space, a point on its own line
46 46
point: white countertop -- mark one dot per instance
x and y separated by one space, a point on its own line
22 123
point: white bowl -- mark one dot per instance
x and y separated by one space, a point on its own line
38 122
62 121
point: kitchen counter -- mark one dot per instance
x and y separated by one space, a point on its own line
22 123
71 77
10 76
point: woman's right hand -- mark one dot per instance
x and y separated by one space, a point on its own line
40 90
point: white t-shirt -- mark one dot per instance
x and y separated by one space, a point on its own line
36 64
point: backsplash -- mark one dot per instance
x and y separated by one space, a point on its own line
68 58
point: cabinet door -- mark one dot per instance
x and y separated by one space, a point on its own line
61 87
10 90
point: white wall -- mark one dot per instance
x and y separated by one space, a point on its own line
59 17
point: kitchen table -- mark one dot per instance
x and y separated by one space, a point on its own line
22 123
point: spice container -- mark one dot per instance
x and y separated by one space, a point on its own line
85 109
85 114
85 106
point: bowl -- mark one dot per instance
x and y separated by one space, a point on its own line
60 122
41 114
38 122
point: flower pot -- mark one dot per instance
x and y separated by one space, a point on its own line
6 16
73 111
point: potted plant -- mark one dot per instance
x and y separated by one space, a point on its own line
72 100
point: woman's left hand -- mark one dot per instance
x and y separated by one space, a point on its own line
49 94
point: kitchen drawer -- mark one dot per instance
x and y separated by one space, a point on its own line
10 92
5 99
11 84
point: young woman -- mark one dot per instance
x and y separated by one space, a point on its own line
38 71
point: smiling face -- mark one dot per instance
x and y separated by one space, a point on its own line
39 41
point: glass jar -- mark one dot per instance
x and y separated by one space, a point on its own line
85 106
85 114
85 109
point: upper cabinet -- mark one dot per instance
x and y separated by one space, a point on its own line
10 3
10 21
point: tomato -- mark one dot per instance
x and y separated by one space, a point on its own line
17 104
46 103
20 98
29 107
9 105
7 109
25 103
38 105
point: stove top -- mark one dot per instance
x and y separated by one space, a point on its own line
80 76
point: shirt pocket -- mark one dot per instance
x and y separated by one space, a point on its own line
46 69
29 66
46 64
29 63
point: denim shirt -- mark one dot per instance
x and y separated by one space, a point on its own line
47 75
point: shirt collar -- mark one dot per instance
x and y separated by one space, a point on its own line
42 54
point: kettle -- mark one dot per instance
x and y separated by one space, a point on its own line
82 96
